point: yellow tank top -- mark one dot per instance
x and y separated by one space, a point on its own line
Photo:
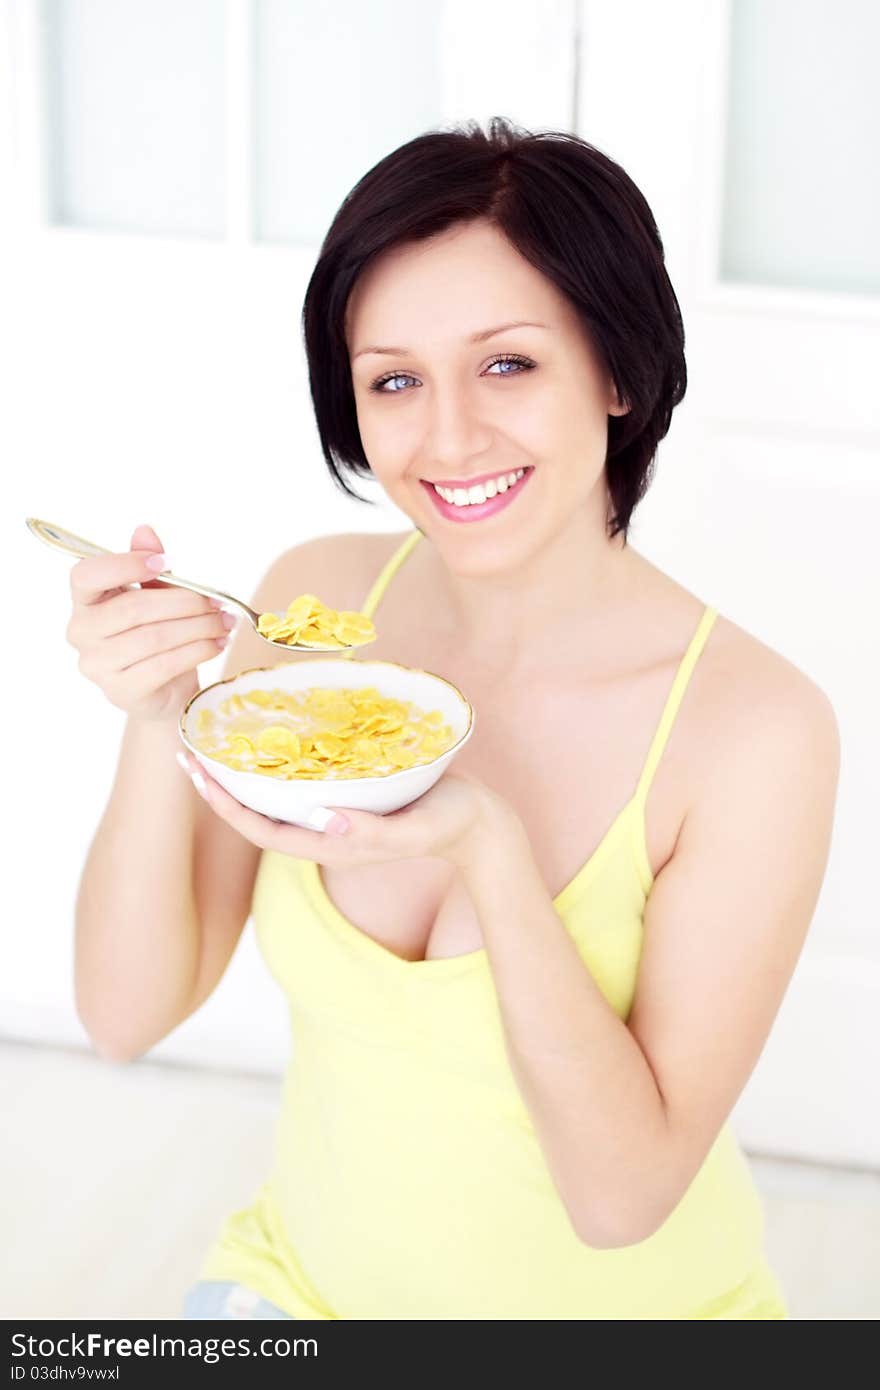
408 1181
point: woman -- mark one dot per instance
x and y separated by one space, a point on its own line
524 1006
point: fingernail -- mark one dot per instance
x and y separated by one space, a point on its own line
330 821
199 783
229 620
157 563
181 758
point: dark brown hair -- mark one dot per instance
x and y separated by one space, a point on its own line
567 209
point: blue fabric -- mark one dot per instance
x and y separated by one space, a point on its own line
215 1298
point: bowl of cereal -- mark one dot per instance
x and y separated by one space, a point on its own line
368 735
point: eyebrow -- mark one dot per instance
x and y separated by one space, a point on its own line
479 337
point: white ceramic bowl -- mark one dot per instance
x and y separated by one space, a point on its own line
293 800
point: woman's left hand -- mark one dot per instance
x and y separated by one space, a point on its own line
453 820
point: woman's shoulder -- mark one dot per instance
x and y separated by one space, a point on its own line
737 667
755 702
747 669
750 705
743 688
340 565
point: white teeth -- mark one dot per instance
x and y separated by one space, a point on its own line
465 497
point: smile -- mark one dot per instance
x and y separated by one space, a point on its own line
483 500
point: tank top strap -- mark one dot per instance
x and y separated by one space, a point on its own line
673 701
384 577
387 573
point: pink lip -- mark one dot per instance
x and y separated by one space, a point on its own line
466 482
477 510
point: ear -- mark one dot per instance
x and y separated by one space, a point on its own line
614 406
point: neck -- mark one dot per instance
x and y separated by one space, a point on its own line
518 619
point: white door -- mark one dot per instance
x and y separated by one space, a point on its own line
751 128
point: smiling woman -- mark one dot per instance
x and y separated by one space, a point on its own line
507 1098
524 1004
546 200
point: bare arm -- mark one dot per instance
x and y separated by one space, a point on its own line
166 888
137 934
626 1111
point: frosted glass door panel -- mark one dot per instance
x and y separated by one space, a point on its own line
337 87
801 203
136 115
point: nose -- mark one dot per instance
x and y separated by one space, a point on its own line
454 433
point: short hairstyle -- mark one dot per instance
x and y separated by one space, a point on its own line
572 213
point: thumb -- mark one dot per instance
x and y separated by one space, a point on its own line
145 538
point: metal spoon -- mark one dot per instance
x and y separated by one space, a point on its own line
60 539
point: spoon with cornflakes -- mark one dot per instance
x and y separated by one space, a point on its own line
307 626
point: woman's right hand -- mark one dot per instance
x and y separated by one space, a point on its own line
141 647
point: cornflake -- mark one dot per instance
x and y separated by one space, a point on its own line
321 733
309 622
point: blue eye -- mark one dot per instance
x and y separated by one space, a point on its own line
522 362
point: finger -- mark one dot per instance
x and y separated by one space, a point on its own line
145 538
132 651
92 578
137 608
262 831
151 673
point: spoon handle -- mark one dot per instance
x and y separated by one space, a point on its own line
64 540
60 539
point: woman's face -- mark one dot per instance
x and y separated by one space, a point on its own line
434 406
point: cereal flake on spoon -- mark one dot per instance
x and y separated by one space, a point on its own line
309 622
